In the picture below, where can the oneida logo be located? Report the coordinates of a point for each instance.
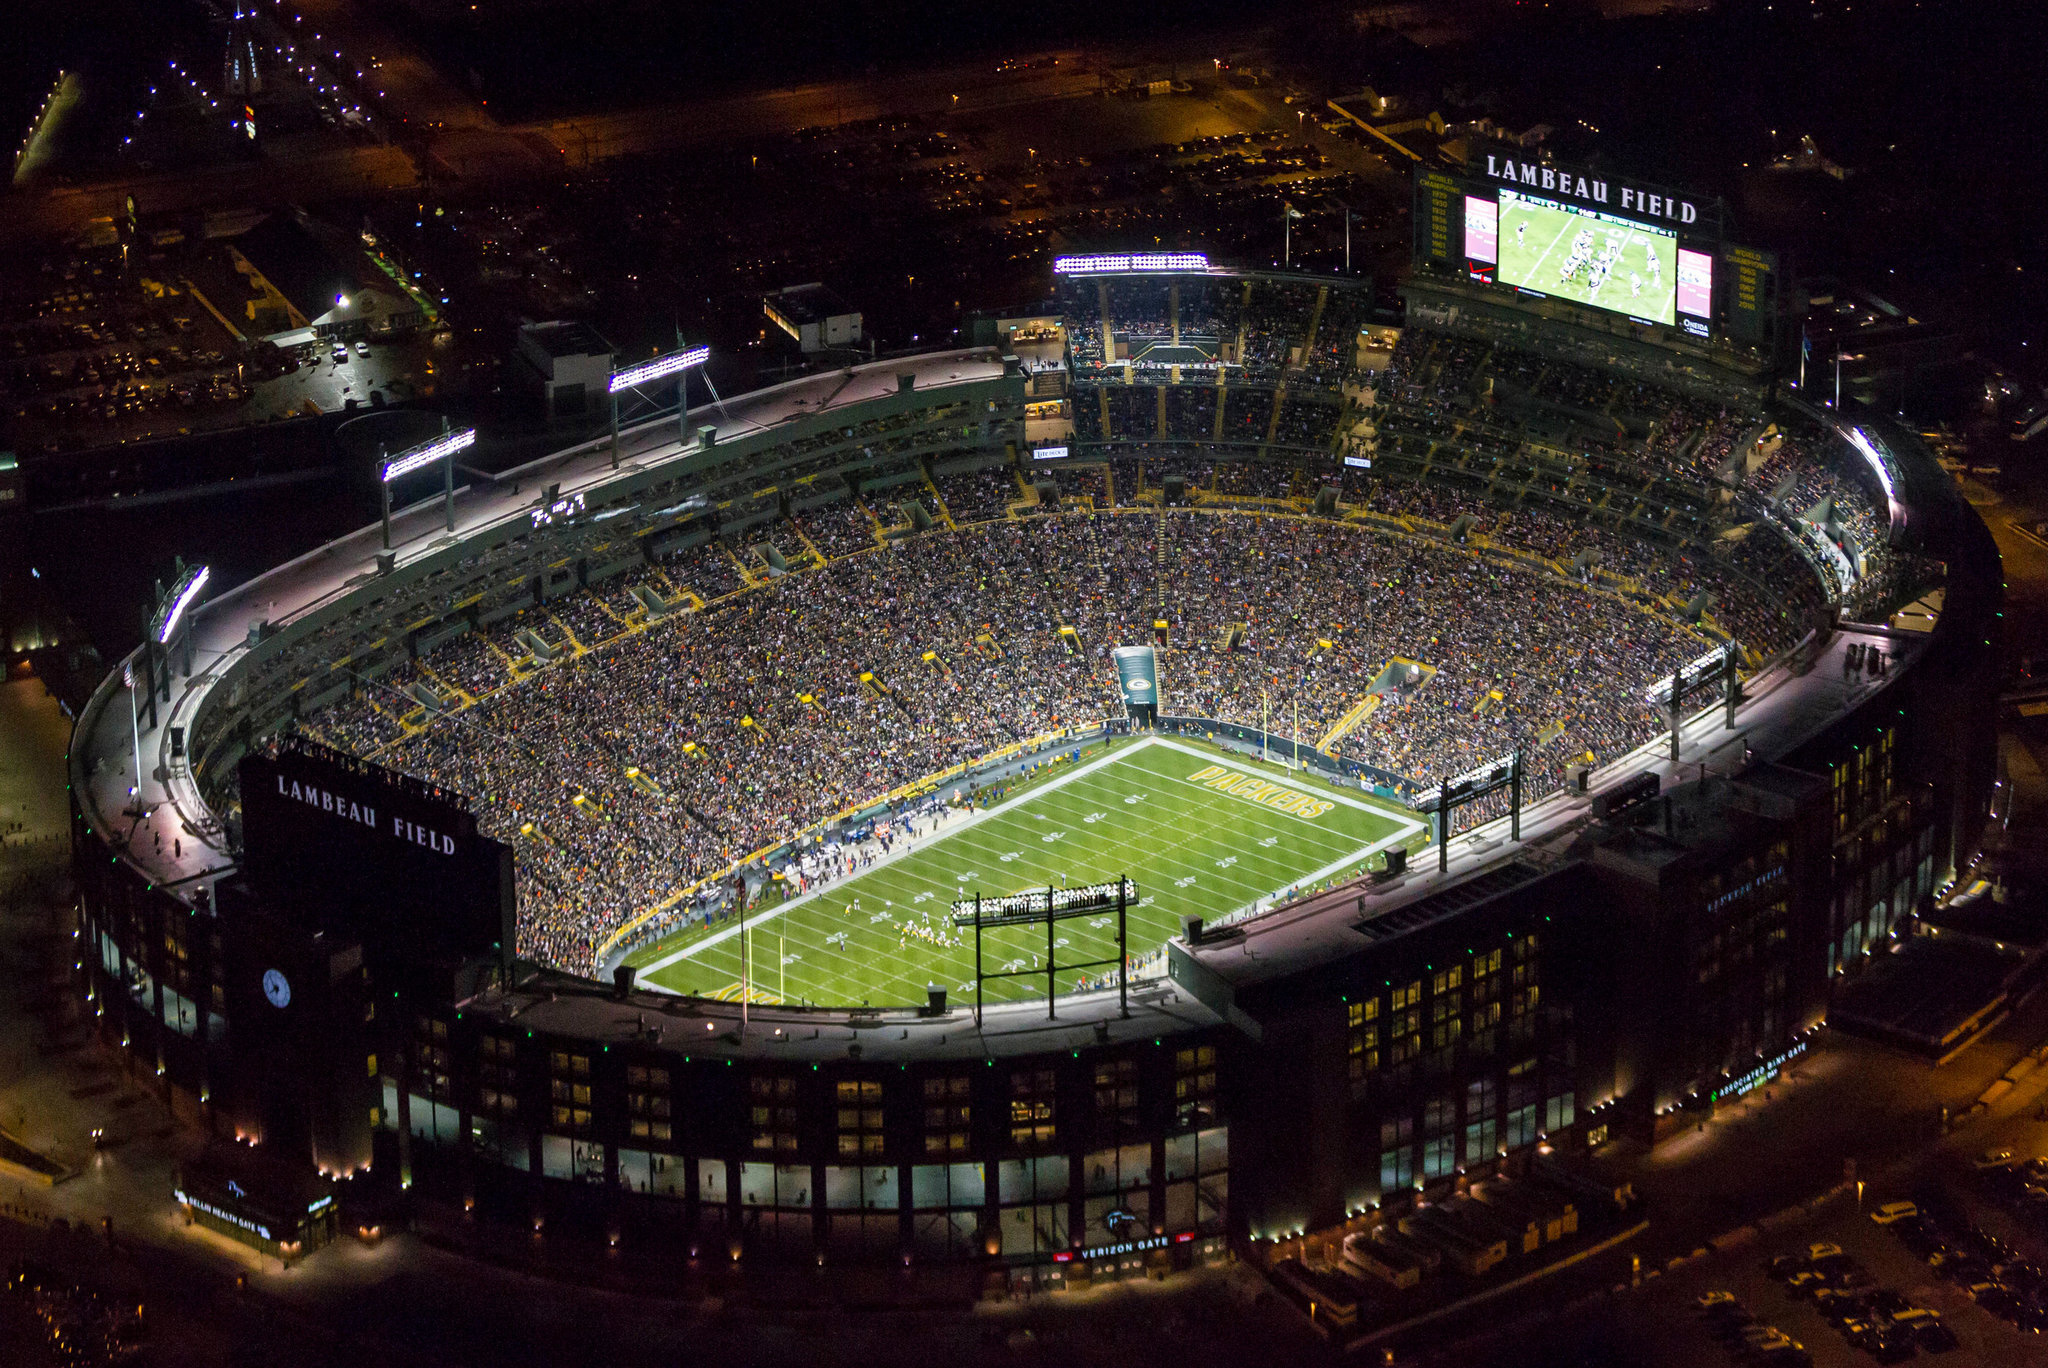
(1259, 791)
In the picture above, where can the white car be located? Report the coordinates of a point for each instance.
(1894, 1211)
(362, 349)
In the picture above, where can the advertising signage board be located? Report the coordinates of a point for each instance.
(343, 842)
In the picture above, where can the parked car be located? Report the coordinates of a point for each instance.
(1934, 1338)
(1894, 1211)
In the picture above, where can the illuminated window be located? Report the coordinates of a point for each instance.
(1032, 1121)
(1116, 1091)
(859, 1116)
(948, 1114)
(648, 1103)
(773, 1113)
(1194, 1086)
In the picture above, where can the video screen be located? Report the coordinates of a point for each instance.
(1695, 283)
(1588, 257)
(1481, 229)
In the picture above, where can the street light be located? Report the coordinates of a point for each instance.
(442, 449)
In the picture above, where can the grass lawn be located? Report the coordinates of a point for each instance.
(1200, 831)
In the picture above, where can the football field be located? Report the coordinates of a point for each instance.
(1199, 830)
(1588, 257)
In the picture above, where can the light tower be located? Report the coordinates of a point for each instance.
(241, 77)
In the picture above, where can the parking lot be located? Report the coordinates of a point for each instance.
(1831, 1281)
(93, 360)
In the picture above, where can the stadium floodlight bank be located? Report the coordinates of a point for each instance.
(172, 611)
(1717, 666)
(442, 449)
(659, 369)
(678, 363)
(1880, 463)
(1476, 782)
(1050, 906)
(426, 453)
(163, 637)
(1040, 903)
(1659, 694)
(1501, 772)
(1142, 264)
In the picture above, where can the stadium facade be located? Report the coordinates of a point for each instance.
(1647, 944)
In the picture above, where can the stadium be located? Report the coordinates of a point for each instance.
(1194, 764)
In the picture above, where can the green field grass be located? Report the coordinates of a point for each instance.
(1134, 810)
(1536, 239)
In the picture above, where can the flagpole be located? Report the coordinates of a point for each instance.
(135, 730)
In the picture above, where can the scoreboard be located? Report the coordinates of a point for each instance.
(1752, 299)
(335, 841)
(1439, 219)
(1532, 229)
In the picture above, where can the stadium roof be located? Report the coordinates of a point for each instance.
(221, 628)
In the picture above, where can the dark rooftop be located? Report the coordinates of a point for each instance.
(812, 303)
(567, 339)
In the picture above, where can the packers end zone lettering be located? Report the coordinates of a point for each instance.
(1271, 795)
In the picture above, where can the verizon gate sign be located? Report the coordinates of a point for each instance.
(1552, 180)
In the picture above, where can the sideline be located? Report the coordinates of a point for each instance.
(689, 951)
(1405, 827)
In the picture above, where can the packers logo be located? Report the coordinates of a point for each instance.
(1276, 796)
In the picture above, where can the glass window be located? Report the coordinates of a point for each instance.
(556, 1159)
(869, 1187)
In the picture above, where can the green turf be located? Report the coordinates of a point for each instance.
(1536, 239)
(1131, 810)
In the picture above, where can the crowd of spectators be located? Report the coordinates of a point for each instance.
(630, 771)
(634, 759)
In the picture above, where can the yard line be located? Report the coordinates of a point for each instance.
(689, 951)
(1139, 840)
